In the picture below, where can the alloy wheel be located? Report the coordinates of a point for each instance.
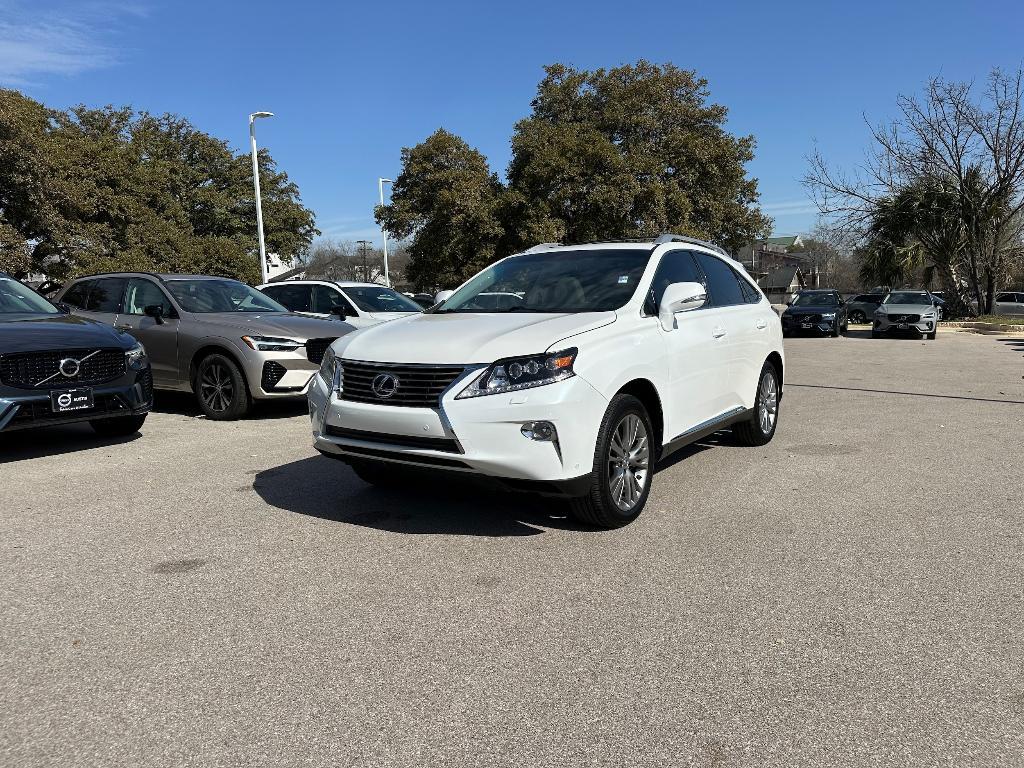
(767, 402)
(628, 462)
(216, 388)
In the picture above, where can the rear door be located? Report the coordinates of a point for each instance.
(697, 366)
(736, 329)
(159, 337)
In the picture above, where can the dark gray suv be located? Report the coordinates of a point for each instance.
(218, 338)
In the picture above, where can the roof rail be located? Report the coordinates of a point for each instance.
(668, 237)
(542, 247)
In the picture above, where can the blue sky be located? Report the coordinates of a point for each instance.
(353, 83)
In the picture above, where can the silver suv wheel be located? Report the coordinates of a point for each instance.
(767, 402)
(628, 462)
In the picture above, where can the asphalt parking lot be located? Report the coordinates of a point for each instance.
(218, 594)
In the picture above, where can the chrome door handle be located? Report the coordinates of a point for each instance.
(124, 327)
(718, 332)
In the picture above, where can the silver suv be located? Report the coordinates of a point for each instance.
(218, 338)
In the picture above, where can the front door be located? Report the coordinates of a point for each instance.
(159, 337)
(697, 364)
(104, 299)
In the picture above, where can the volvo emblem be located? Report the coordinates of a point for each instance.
(384, 385)
(69, 367)
(64, 400)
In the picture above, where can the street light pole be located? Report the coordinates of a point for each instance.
(383, 232)
(264, 274)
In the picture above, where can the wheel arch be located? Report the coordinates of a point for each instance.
(645, 391)
(214, 349)
(776, 361)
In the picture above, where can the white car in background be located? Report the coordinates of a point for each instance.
(358, 304)
(585, 366)
(1009, 303)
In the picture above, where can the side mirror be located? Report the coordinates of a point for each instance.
(65, 308)
(338, 310)
(156, 312)
(442, 296)
(680, 297)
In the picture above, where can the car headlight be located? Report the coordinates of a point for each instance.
(331, 370)
(515, 373)
(272, 343)
(136, 358)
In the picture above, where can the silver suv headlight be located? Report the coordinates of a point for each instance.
(515, 373)
(331, 370)
(136, 357)
(272, 343)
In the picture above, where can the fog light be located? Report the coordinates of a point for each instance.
(542, 431)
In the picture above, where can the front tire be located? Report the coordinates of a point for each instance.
(119, 426)
(221, 389)
(931, 336)
(623, 464)
(760, 428)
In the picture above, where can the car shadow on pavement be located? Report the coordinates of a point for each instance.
(419, 503)
(54, 441)
(1015, 344)
(184, 404)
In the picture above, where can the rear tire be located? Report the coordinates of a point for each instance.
(623, 465)
(221, 389)
(931, 336)
(119, 426)
(858, 317)
(759, 429)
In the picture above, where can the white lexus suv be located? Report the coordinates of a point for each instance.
(612, 356)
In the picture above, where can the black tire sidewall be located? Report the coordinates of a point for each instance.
(240, 401)
(620, 406)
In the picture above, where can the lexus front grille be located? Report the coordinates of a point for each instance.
(400, 384)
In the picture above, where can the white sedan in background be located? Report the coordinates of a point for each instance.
(358, 304)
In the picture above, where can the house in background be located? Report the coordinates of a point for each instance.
(780, 285)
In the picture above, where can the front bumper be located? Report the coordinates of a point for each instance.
(921, 327)
(798, 324)
(481, 435)
(273, 375)
(131, 395)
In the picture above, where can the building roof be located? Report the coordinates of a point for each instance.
(781, 278)
(786, 241)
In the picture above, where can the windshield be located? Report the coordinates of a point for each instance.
(908, 297)
(18, 299)
(816, 300)
(372, 299)
(584, 280)
(220, 296)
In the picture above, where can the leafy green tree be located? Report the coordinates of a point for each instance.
(449, 203)
(630, 152)
(90, 190)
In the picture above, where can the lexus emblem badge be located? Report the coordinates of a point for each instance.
(384, 385)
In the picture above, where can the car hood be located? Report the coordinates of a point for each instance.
(907, 309)
(811, 310)
(385, 316)
(287, 324)
(40, 333)
(466, 338)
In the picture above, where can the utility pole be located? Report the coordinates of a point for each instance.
(363, 245)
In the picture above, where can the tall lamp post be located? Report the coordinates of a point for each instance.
(264, 275)
(383, 232)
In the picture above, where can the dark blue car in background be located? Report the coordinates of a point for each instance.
(56, 368)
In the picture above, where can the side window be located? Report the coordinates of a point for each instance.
(1005, 297)
(76, 294)
(863, 297)
(141, 294)
(722, 282)
(675, 267)
(295, 297)
(105, 295)
(325, 297)
(750, 294)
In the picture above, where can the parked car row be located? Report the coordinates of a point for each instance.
(564, 370)
(825, 312)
